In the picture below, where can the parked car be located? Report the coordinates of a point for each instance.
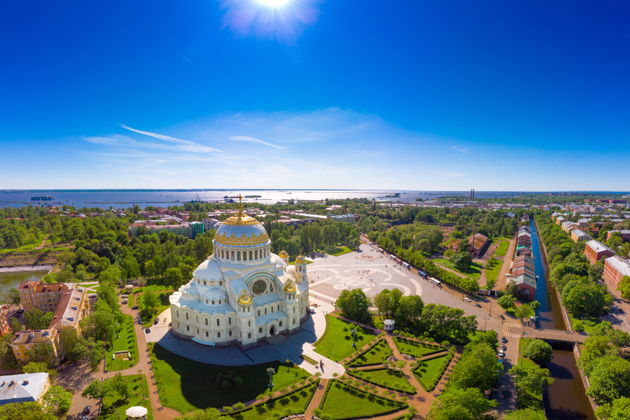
(147, 330)
(87, 409)
(135, 308)
(501, 353)
(504, 340)
(504, 347)
(156, 321)
(467, 299)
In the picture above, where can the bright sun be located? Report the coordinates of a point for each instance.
(274, 3)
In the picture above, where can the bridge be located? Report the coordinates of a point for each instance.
(554, 335)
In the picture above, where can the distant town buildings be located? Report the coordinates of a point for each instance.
(595, 251)
(578, 235)
(25, 387)
(187, 229)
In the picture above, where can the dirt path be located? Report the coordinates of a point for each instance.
(317, 399)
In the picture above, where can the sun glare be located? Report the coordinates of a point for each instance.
(273, 3)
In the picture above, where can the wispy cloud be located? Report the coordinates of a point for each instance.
(185, 145)
(459, 149)
(254, 140)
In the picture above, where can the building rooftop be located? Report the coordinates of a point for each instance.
(621, 265)
(597, 246)
(22, 388)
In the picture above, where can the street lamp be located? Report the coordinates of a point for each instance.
(353, 334)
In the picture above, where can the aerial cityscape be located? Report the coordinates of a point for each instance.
(315, 210)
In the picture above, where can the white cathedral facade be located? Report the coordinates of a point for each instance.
(243, 293)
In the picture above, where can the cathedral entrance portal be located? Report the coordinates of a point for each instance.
(272, 330)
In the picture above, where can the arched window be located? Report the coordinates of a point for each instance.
(186, 316)
(231, 255)
(206, 321)
(230, 320)
(218, 322)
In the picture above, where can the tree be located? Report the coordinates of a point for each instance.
(489, 337)
(609, 379)
(120, 386)
(526, 414)
(35, 319)
(354, 304)
(445, 323)
(595, 348)
(619, 409)
(539, 351)
(12, 296)
(478, 368)
(24, 411)
(461, 404)
(524, 311)
(174, 277)
(57, 400)
(506, 301)
(462, 261)
(624, 287)
(150, 299)
(387, 302)
(619, 338)
(409, 311)
(531, 379)
(36, 367)
(96, 390)
(585, 299)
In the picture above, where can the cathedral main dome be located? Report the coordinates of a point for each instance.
(241, 229)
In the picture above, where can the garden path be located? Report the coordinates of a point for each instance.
(316, 400)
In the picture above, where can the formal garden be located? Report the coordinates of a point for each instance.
(375, 355)
(429, 371)
(123, 352)
(295, 402)
(415, 348)
(337, 342)
(384, 377)
(343, 401)
(187, 385)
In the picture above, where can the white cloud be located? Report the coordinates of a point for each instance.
(185, 145)
(459, 149)
(254, 140)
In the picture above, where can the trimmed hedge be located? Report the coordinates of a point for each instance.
(311, 387)
(358, 374)
(431, 386)
(397, 404)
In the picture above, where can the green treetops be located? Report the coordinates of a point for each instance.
(539, 351)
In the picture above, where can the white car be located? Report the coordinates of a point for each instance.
(501, 353)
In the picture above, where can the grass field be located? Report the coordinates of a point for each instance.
(415, 349)
(125, 340)
(186, 385)
(502, 247)
(474, 270)
(343, 402)
(376, 355)
(493, 268)
(336, 343)
(338, 250)
(114, 406)
(293, 403)
(431, 371)
(385, 377)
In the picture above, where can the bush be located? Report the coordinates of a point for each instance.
(539, 351)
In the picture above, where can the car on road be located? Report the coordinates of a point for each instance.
(135, 308)
(467, 299)
(501, 353)
(147, 330)
(504, 347)
(87, 409)
(504, 340)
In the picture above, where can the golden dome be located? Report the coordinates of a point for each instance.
(245, 300)
(300, 259)
(283, 254)
(240, 230)
(290, 288)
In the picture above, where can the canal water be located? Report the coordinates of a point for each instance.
(565, 398)
(13, 280)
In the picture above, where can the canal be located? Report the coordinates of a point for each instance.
(565, 398)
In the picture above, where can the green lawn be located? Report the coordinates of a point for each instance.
(493, 268)
(338, 250)
(114, 407)
(430, 371)
(336, 343)
(474, 270)
(415, 349)
(125, 340)
(186, 385)
(502, 248)
(343, 402)
(388, 378)
(293, 403)
(375, 355)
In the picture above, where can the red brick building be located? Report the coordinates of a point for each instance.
(615, 268)
(595, 251)
(478, 244)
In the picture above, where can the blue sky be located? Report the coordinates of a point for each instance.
(409, 94)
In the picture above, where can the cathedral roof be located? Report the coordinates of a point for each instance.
(241, 230)
(208, 270)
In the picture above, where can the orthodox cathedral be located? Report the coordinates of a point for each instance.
(243, 293)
